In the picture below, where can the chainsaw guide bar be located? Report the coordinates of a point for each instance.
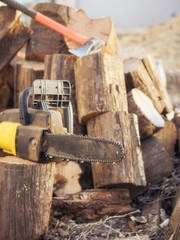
(79, 148)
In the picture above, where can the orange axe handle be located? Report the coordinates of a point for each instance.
(41, 18)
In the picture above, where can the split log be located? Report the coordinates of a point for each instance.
(91, 205)
(100, 85)
(26, 195)
(25, 73)
(168, 137)
(137, 76)
(61, 66)
(102, 29)
(119, 126)
(13, 35)
(157, 161)
(149, 119)
(45, 40)
(6, 87)
(152, 69)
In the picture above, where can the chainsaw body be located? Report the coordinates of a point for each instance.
(38, 133)
(22, 129)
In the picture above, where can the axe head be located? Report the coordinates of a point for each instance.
(91, 46)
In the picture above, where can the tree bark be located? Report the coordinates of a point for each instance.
(92, 205)
(149, 118)
(25, 73)
(13, 35)
(101, 29)
(100, 86)
(26, 194)
(118, 126)
(45, 40)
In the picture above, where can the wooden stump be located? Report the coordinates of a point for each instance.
(13, 35)
(118, 126)
(100, 86)
(61, 66)
(25, 73)
(157, 161)
(149, 119)
(45, 40)
(137, 76)
(102, 29)
(26, 194)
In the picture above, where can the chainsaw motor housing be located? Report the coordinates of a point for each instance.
(48, 96)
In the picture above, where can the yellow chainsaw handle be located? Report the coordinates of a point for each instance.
(8, 136)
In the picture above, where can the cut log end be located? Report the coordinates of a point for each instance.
(149, 118)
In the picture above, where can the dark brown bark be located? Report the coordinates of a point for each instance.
(26, 194)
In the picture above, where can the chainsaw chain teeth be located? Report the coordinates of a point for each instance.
(89, 160)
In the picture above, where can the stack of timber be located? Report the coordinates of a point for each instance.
(120, 97)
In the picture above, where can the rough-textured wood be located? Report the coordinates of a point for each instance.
(45, 40)
(148, 117)
(6, 87)
(13, 34)
(173, 85)
(137, 159)
(150, 65)
(118, 126)
(102, 29)
(61, 66)
(157, 161)
(91, 205)
(175, 217)
(100, 85)
(152, 69)
(168, 137)
(177, 123)
(136, 76)
(25, 73)
(26, 195)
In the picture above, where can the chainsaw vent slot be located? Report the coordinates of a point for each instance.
(55, 93)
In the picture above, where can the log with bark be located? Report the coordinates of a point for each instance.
(25, 73)
(26, 194)
(93, 204)
(61, 66)
(149, 119)
(45, 40)
(100, 85)
(13, 35)
(102, 29)
(122, 127)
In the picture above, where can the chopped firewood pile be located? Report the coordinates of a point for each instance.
(116, 94)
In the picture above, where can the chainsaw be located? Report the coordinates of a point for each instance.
(42, 133)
